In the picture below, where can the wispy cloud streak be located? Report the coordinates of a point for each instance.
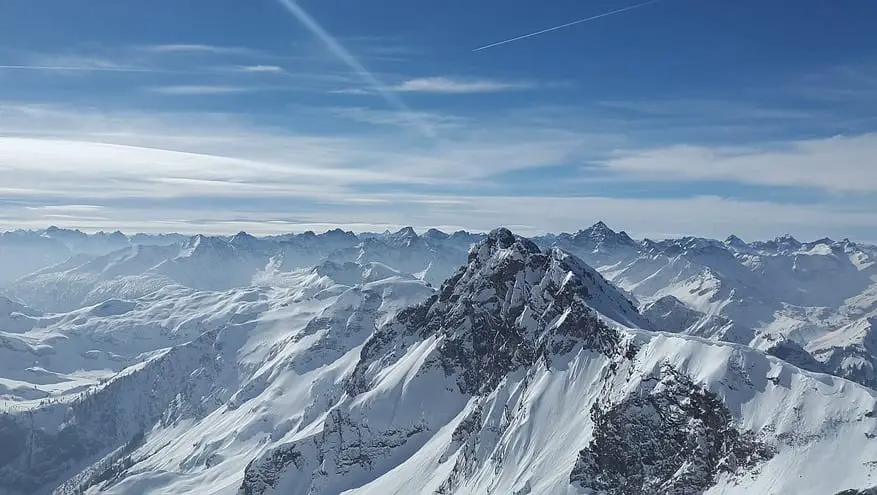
(568, 24)
(455, 86)
(345, 56)
(197, 48)
(202, 90)
(74, 68)
(261, 69)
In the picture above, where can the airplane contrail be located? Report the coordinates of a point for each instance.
(345, 56)
(568, 24)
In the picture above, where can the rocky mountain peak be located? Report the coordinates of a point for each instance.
(600, 236)
(403, 237)
(55, 230)
(787, 242)
(510, 306)
(406, 232)
(201, 245)
(501, 242)
(782, 244)
(435, 234)
(338, 234)
(735, 242)
(242, 240)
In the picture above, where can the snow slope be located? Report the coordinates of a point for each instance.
(170, 359)
(758, 293)
(526, 371)
(219, 263)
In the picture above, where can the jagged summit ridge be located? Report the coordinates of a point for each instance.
(511, 305)
(499, 240)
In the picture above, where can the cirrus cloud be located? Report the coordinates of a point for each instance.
(448, 85)
(839, 163)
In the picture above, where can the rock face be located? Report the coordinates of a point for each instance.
(262, 474)
(512, 305)
(792, 352)
(669, 436)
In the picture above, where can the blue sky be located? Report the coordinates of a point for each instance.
(678, 117)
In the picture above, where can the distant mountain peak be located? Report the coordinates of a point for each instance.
(338, 233)
(600, 237)
(243, 240)
(55, 230)
(200, 243)
(781, 244)
(435, 234)
(788, 241)
(406, 232)
(404, 237)
(735, 241)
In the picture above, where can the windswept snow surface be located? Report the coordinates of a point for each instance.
(819, 295)
(404, 363)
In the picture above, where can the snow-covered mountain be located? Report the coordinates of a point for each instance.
(73, 279)
(760, 293)
(671, 314)
(326, 364)
(22, 252)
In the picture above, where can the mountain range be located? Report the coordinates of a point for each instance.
(470, 363)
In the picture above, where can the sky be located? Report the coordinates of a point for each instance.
(677, 117)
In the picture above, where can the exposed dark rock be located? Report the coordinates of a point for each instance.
(263, 473)
(670, 436)
(792, 352)
(512, 305)
(345, 444)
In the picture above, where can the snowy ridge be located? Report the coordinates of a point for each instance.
(758, 293)
(669, 313)
(491, 424)
(140, 268)
(330, 363)
(178, 386)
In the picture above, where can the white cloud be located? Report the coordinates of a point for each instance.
(351, 91)
(261, 69)
(467, 151)
(252, 177)
(199, 48)
(62, 169)
(841, 163)
(449, 85)
(194, 90)
(66, 208)
(712, 110)
(73, 63)
(436, 121)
